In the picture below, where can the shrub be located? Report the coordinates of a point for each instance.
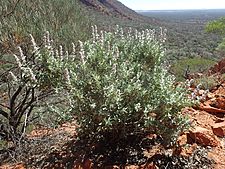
(207, 82)
(118, 86)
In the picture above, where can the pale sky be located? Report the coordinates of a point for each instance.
(173, 4)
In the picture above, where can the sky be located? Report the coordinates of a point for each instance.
(173, 4)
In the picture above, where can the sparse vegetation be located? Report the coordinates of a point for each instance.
(185, 67)
(19, 18)
(207, 82)
(186, 36)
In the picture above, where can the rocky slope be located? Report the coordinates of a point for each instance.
(114, 12)
(112, 8)
(208, 119)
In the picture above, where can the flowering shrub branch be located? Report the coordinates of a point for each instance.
(23, 88)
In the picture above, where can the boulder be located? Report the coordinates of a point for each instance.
(182, 140)
(204, 137)
(210, 109)
(220, 102)
(219, 129)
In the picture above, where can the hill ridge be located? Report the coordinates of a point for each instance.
(116, 9)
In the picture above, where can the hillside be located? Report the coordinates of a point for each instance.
(186, 29)
(187, 37)
(106, 13)
(113, 8)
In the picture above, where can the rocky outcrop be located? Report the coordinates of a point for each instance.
(208, 120)
(204, 137)
(219, 129)
(215, 102)
(218, 68)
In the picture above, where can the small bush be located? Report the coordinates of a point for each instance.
(193, 65)
(207, 83)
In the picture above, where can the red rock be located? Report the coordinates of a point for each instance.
(220, 102)
(87, 164)
(112, 167)
(16, 166)
(182, 140)
(185, 151)
(150, 166)
(204, 137)
(211, 109)
(219, 129)
(217, 155)
(132, 167)
(221, 90)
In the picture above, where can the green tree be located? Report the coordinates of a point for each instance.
(218, 27)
